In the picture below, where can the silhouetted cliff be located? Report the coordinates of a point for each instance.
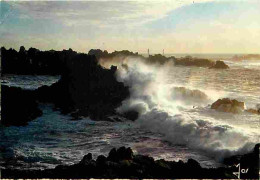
(85, 89)
(33, 61)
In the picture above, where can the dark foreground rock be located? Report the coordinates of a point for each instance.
(122, 163)
(220, 65)
(84, 89)
(228, 105)
(18, 106)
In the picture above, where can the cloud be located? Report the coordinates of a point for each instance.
(100, 13)
(106, 13)
(175, 25)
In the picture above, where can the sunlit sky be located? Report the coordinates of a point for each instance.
(177, 26)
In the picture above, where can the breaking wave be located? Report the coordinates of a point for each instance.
(161, 106)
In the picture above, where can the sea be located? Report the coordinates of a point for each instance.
(175, 122)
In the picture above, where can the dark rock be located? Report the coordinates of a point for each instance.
(220, 65)
(85, 89)
(121, 154)
(131, 115)
(18, 106)
(189, 61)
(124, 154)
(157, 59)
(86, 159)
(101, 159)
(33, 61)
(137, 167)
(112, 156)
(193, 164)
(113, 69)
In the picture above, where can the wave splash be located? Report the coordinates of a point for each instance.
(160, 103)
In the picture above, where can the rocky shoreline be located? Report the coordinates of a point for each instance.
(84, 89)
(36, 62)
(123, 163)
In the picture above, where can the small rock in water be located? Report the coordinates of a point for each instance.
(228, 105)
(220, 65)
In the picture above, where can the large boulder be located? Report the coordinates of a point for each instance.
(228, 105)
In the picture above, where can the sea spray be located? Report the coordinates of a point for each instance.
(160, 104)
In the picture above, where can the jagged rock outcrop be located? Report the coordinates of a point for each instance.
(85, 89)
(122, 163)
(34, 61)
(104, 54)
(18, 106)
(228, 105)
(220, 65)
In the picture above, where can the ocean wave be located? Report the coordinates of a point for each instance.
(160, 106)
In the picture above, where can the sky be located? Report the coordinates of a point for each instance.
(177, 26)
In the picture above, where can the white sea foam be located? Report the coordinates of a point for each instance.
(161, 105)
